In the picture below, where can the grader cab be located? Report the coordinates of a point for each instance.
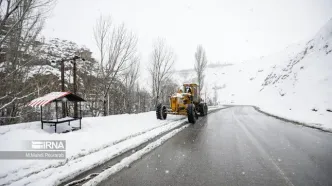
(187, 102)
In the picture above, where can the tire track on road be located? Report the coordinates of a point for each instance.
(262, 151)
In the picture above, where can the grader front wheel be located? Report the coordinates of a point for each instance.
(192, 116)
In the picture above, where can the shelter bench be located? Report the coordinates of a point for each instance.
(62, 120)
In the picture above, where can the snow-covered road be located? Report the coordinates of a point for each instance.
(234, 146)
(100, 140)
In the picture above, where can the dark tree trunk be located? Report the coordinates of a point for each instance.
(105, 107)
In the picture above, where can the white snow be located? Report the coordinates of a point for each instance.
(288, 84)
(177, 95)
(295, 84)
(41, 101)
(99, 140)
(128, 160)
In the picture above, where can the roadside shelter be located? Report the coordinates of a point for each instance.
(56, 98)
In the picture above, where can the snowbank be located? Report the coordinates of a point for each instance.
(96, 134)
(99, 140)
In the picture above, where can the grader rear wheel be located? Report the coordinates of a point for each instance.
(161, 112)
(205, 109)
(201, 110)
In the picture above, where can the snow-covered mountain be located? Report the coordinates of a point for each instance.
(295, 83)
(52, 51)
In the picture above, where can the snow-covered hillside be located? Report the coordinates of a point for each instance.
(53, 50)
(295, 83)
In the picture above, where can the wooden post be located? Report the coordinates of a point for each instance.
(66, 114)
(63, 85)
(80, 114)
(80, 109)
(75, 86)
(56, 110)
(56, 115)
(41, 117)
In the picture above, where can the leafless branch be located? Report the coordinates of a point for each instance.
(200, 65)
(117, 49)
(162, 61)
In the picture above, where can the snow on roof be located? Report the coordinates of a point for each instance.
(41, 101)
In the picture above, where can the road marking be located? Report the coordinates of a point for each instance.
(262, 151)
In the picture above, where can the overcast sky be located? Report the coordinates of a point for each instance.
(229, 30)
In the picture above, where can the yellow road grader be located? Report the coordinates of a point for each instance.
(187, 102)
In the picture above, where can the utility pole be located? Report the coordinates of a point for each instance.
(63, 86)
(75, 83)
(62, 63)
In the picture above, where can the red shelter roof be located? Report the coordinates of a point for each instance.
(54, 96)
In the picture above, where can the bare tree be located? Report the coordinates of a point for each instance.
(129, 80)
(117, 47)
(23, 15)
(101, 36)
(21, 22)
(143, 99)
(168, 88)
(162, 60)
(200, 65)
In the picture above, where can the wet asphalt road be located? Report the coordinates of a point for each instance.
(236, 146)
